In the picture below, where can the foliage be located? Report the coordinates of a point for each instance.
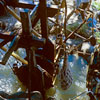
(96, 5)
(97, 34)
(82, 31)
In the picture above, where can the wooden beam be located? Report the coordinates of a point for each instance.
(23, 5)
(6, 37)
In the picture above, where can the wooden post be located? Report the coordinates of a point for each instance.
(28, 51)
(26, 23)
(43, 19)
(26, 32)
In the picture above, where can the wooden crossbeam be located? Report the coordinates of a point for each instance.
(51, 10)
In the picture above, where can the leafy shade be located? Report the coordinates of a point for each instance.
(96, 5)
(82, 31)
(97, 34)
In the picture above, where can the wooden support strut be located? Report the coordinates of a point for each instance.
(9, 52)
(3, 36)
(16, 56)
(29, 55)
(19, 19)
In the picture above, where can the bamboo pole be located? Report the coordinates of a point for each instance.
(13, 13)
(16, 56)
(57, 56)
(56, 61)
(36, 33)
